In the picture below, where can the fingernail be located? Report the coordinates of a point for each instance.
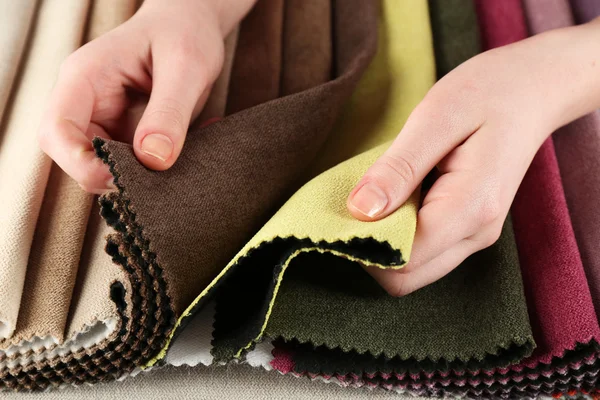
(370, 200)
(158, 146)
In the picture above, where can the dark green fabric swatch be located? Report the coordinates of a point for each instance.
(475, 317)
(455, 32)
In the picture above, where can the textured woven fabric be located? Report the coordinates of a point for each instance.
(256, 69)
(585, 10)
(24, 169)
(455, 32)
(15, 22)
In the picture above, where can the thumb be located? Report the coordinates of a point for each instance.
(179, 90)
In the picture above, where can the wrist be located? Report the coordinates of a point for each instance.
(226, 13)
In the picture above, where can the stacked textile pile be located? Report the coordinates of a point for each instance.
(244, 250)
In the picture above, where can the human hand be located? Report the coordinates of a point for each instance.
(481, 125)
(140, 83)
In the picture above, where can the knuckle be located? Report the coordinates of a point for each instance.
(401, 165)
(488, 211)
(490, 237)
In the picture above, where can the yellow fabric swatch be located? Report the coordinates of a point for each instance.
(398, 78)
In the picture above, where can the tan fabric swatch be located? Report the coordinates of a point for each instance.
(257, 64)
(307, 46)
(15, 23)
(217, 101)
(24, 169)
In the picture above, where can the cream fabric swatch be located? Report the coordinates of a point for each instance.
(15, 23)
(24, 169)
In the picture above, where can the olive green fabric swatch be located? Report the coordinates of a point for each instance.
(455, 32)
(474, 317)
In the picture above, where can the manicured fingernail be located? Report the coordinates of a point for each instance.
(158, 146)
(370, 200)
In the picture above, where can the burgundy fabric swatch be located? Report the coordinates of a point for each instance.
(500, 22)
(578, 150)
(585, 10)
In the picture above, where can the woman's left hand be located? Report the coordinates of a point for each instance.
(481, 125)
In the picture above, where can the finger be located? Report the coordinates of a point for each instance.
(179, 87)
(400, 283)
(434, 128)
(63, 134)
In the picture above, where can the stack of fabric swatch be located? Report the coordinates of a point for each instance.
(243, 251)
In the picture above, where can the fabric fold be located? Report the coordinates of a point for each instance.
(24, 169)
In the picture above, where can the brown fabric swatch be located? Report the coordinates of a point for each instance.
(232, 175)
(257, 64)
(306, 59)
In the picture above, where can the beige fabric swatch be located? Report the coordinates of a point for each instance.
(24, 169)
(15, 23)
(217, 101)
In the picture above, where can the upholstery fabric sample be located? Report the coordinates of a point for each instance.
(257, 63)
(585, 10)
(455, 32)
(24, 169)
(15, 24)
